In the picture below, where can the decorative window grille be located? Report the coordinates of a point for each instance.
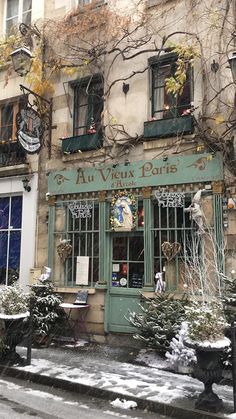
(81, 228)
(10, 238)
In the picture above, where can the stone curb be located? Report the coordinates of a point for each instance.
(143, 404)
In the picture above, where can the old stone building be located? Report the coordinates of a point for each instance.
(142, 120)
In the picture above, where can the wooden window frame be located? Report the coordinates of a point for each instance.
(15, 105)
(155, 64)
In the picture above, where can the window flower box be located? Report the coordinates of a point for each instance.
(168, 127)
(81, 143)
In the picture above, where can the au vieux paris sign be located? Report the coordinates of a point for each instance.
(176, 170)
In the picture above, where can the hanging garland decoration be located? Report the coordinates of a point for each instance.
(64, 249)
(124, 212)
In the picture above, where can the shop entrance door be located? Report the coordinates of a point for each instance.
(126, 279)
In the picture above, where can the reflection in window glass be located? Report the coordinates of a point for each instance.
(10, 238)
(128, 261)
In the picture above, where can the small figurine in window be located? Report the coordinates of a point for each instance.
(92, 127)
(160, 281)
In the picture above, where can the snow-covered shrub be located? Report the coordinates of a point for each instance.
(13, 300)
(206, 321)
(46, 311)
(180, 355)
(159, 321)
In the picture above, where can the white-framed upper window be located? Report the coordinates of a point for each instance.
(17, 11)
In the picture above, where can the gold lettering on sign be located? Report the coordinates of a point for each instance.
(148, 170)
(82, 178)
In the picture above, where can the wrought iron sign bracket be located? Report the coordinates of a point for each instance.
(34, 119)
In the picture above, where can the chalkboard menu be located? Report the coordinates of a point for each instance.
(136, 281)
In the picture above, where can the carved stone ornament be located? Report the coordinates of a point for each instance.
(170, 250)
(64, 249)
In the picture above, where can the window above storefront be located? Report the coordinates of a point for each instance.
(11, 153)
(88, 107)
(17, 11)
(170, 113)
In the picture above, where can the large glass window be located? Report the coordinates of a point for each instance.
(173, 227)
(10, 238)
(128, 255)
(18, 11)
(166, 105)
(88, 106)
(128, 260)
(78, 222)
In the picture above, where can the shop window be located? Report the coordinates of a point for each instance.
(82, 230)
(165, 105)
(128, 260)
(172, 225)
(10, 238)
(17, 11)
(88, 106)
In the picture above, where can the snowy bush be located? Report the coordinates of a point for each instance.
(46, 311)
(180, 354)
(13, 300)
(159, 321)
(206, 321)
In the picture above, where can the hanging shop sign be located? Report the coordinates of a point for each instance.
(80, 210)
(177, 170)
(33, 120)
(169, 199)
(29, 130)
(123, 212)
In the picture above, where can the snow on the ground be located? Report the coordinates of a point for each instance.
(154, 384)
(124, 404)
(151, 358)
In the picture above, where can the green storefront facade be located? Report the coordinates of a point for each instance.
(121, 264)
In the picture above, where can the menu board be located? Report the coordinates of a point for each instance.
(136, 280)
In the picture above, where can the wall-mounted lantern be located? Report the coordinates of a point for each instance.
(26, 185)
(21, 60)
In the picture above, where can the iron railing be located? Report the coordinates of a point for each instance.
(11, 154)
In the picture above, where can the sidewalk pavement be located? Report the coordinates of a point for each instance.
(112, 372)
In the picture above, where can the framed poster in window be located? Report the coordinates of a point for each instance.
(82, 270)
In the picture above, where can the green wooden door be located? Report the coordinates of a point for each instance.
(126, 279)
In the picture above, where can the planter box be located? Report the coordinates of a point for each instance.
(81, 143)
(168, 127)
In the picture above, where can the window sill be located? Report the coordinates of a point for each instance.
(168, 127)
(73, 290)
(81, 143)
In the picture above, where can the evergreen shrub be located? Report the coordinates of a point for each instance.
(159, 321)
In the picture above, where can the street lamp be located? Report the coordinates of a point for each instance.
(22, 60)
(232, 63)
